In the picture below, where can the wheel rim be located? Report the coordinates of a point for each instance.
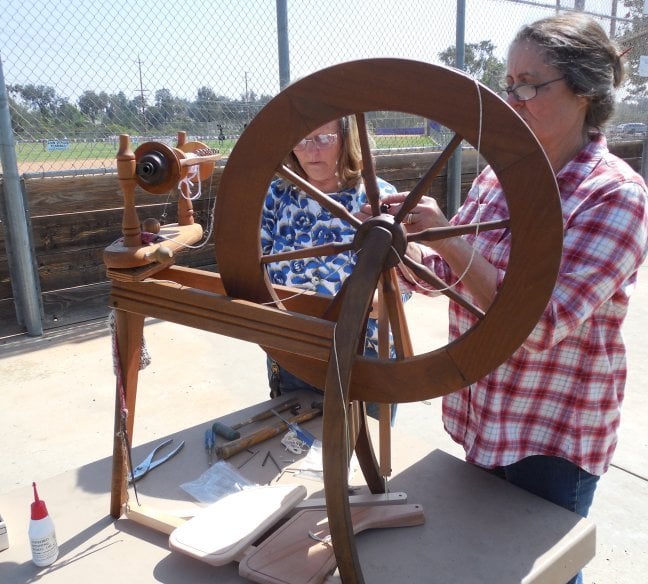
(457, 102)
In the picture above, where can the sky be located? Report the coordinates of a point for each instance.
(139, 46)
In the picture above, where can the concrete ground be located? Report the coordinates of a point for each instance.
(57, 408)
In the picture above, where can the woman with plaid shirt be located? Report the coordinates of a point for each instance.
(547, 419)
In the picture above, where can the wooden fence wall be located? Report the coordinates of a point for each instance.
(74, 218)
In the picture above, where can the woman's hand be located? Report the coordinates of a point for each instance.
(426, 214)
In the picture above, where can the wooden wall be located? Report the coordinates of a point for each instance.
(74, 218)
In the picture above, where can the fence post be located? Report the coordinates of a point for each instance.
(24, 280)
(453, 196)
(282, 40)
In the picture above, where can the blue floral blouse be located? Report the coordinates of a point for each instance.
(293, 220)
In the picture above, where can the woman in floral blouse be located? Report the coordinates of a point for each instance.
(330, 159)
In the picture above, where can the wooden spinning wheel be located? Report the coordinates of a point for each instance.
(476, 115)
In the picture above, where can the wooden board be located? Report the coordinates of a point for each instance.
(299, 552)
(223, 531)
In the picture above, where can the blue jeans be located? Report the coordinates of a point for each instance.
(554, 479)
(288, 382)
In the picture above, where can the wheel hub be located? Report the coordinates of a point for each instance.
(399, 237)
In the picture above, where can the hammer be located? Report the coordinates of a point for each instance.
(231, 432)
(235, 446)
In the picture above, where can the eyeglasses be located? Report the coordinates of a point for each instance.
(319, 141)
(525, 91)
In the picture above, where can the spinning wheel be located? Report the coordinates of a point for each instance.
(476, 115)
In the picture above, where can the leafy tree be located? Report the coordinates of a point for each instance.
(94, 105)
(480, 62)
(39, 97)
(70, 116)
(166, 105)
(633, 36)
(138, 104)
(120, 110)
(19, 116)
(208, 106)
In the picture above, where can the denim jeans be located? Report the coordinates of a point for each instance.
(289, 382)
(555, 479)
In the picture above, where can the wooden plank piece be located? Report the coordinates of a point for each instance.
(154, 518)
(299, 551)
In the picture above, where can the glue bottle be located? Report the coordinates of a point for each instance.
(41, 533)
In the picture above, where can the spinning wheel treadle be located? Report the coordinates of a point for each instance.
(476, 115)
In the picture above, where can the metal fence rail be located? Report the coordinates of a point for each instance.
(79, 74)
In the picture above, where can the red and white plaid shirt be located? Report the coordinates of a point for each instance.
(559, 394)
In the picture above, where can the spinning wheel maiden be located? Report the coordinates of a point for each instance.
(476, 115)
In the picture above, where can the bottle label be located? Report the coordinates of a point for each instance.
(44, 549)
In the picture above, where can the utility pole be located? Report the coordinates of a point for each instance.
(142, 91)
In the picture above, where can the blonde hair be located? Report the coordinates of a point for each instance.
(350, 159)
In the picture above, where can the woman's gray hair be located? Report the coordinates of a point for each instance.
(579, 47)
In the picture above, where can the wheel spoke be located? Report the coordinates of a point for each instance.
(436, 233)
(384, 410)
(324, 200)
(368, 169)
(424, 183)
(307, 252)
(396, 313)
(428, 276)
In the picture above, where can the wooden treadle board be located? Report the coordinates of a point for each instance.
(291, 556)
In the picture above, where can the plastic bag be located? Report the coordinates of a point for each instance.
(220, 479)
(311, 466)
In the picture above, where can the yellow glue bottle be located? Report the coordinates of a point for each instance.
(41, 533)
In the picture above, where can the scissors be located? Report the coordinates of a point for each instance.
(149, 464)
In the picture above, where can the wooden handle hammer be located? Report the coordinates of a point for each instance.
(230, 432)
(235, 446)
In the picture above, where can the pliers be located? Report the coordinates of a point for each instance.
(149, 464)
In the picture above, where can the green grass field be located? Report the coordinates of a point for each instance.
(34, 156)
(36, 151)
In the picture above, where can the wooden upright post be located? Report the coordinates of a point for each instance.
(126, 175)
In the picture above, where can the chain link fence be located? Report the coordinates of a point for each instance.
(80, 73)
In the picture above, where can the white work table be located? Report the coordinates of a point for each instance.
(478, 528)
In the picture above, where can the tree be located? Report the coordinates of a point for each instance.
(165, 104)
(94, 105)
(633, 36)
(207, 107)
(120, 111)
(70, 117)
(39, 97)
(480, 62)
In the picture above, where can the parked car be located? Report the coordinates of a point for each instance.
(630, 130)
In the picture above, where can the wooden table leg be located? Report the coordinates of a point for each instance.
(129, 331)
